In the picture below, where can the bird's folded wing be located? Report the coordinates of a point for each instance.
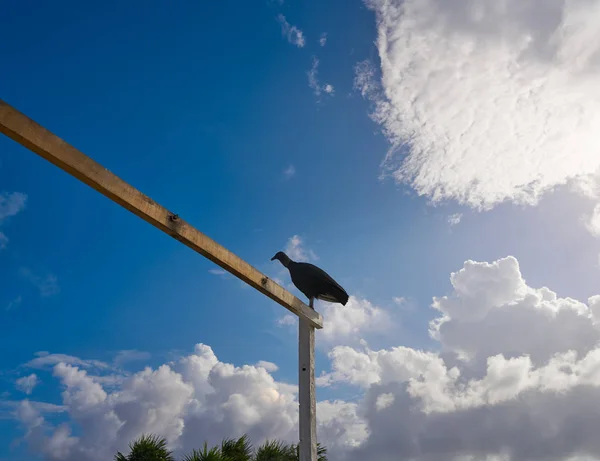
(328, 297)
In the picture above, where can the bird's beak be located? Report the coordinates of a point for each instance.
(273, 258)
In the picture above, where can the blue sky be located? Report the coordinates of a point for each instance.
(209, 108)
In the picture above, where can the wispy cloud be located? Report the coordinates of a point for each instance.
(45, 361)
(27, 383)
(313, 80)
(218, 272)
(364, 80)
(14, 303)
(323, 39)
(48, 285)
(399, 300)
(9, 408)
(292, 33)
(11, 204)
(289, 172)
(454, 219)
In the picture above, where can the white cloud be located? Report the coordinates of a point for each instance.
(349, 323)
(384, 401)
(27, 383)
(11, 204)
(593, 222)
(292, 33)
(490, 298)
(3, 241)
(289, 172)
(516, 372)
(323, 39)
(313, 80)
(288, 319)
(364, 80)
(219, 272)
(340, 426)
(195, 396)
(269, 366)
(496, 101)
(454, 219)
(296, 251)
(47, 285)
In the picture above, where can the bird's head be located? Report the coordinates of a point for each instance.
(282, 257)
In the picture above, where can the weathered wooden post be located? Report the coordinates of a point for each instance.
(307, 397)
(47, 145)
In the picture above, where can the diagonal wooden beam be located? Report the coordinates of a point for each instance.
(35, 137)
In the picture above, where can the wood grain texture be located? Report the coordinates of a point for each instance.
(307, 391)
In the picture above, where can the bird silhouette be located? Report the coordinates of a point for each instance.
(313, 281)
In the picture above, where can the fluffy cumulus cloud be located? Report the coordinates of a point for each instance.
(488, 101)
(352, 322)
(195, 396)
(515, 377)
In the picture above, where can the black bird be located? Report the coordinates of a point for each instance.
(314, 282)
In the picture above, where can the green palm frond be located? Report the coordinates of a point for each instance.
(321, 452)
(214, 454)
(237, 450)
(147, 448)
(276, 451)
(154, 448)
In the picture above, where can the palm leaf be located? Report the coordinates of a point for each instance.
(214, 454)
(276, 451)
(237, 450)
(147, 448)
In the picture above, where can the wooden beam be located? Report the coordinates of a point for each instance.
(307, 392)
(33, 136)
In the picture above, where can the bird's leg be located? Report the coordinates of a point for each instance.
(311, 302)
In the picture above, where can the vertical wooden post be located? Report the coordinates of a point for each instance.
(307, 394)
